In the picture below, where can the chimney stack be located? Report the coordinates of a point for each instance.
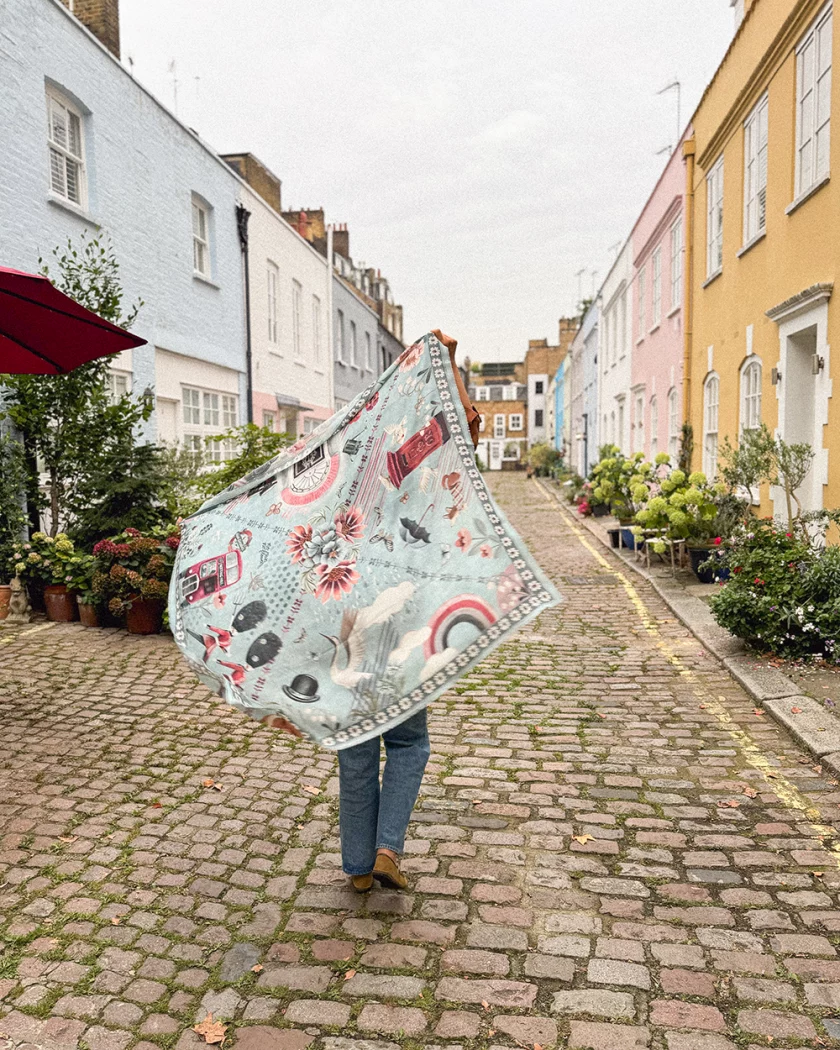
(102, 18)
(341, 240)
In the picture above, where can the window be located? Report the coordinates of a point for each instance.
(509, 393)
(201, 238)
(620, 438)
(711, 402)
(640, 423)
(751, 395)
(498, 426)
(339, 336)
(192, 406)
(482, 393)
(64, 133)
(118, 385)
(538, 386)
(481, 422)
(205, 414)
(642, 297)
(813, 103)
(269, 420)
(654, 427)
(354, 349)
(622, 315)
(755, 171)
(538, 417)
(714, 219)
(316, 329)
(297, 295)
(676, 264)
(368, 352)
(310, 424)
(515, 421)
(673, 425)
(656, 287)
(272, 277)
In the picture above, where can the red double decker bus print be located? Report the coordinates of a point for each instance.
(210, 576)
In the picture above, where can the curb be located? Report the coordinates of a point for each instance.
(815, 728)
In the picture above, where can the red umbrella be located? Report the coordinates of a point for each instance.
(45, 332)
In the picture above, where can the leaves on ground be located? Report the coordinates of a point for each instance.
(750, 792)
(730, 803)
(211, 1031)
(257, 968)
(796, 710)
(311, 789)
(583, 839)
(348, 974)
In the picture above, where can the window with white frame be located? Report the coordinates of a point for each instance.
(509, 393)
(515, 421)
(673, 425)
(316, 329)
(751, 395)
(269, 420)
(813, 103)
(755, 171)
(368, 352)
(640, 423)
(201, 237)
(354, 348)
(538, 417)
(481, 422)
(499, 425)
(711, 404)
(642, 303)
(272, 277)
(622, 330)
(656, 287)
(714, 219)
(117, 384)
(676, 263)
(538, 386)
(309, 424)
(339, 336)
(66, 146)
(654, 426)
(205, 414)
(482, 393)
(297, 296)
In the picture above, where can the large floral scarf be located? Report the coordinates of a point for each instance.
(350, 581)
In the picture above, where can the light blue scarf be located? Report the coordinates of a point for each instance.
(354, 578)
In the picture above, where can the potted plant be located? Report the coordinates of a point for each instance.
(80, 571)
(42, 563)
(131, 574)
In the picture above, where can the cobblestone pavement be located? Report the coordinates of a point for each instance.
(612, 850)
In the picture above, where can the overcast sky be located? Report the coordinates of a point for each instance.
(481, 152)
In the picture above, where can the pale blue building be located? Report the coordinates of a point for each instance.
(559, 406)
(93, 151)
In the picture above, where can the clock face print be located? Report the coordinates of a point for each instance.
(312, 476)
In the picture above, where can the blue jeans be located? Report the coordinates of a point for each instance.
(371, 817)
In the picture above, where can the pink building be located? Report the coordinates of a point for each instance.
(657, 243)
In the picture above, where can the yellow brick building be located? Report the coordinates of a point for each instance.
(764, 242)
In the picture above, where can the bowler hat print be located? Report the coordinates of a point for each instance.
(304, 689)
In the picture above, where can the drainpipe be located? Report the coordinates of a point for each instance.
(242, 216)
(689, 147)
(330, 324)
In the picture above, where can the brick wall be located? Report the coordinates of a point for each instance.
(102, 17)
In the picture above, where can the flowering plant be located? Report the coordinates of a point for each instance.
(618, 480)
(43, 559)
(130, 567)
(684, 507)
(783, 594)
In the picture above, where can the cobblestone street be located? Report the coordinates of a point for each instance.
(612, 850)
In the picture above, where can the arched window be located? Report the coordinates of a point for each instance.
(673, 425)
(751, 395)
(654, 427)
(711, 404)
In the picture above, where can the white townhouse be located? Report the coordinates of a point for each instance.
(94, 152)
(616, 347)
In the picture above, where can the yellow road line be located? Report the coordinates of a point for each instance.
(786, 791)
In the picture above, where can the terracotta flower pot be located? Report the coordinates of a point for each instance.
(5, 598)
(35, 590)
(145, 616)
(89, 614)
(60, 603)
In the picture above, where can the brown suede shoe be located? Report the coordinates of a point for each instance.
(362, 883)
(387, 873)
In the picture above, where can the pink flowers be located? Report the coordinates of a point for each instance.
(485, 550)
(111, 550)
(464, 539)
(334, 581)
(295, 543)
(717, 541)
(409, 358)
(132, 532)
(350, 524)
(172, 542)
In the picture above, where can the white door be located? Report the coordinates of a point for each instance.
(496, 450)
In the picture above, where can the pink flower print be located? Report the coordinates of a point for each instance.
(464, 539)
(350, 524)
(485, 550)
(334, 581)
(300, 536)
(409, 358)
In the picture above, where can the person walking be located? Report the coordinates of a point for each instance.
(373, 817)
